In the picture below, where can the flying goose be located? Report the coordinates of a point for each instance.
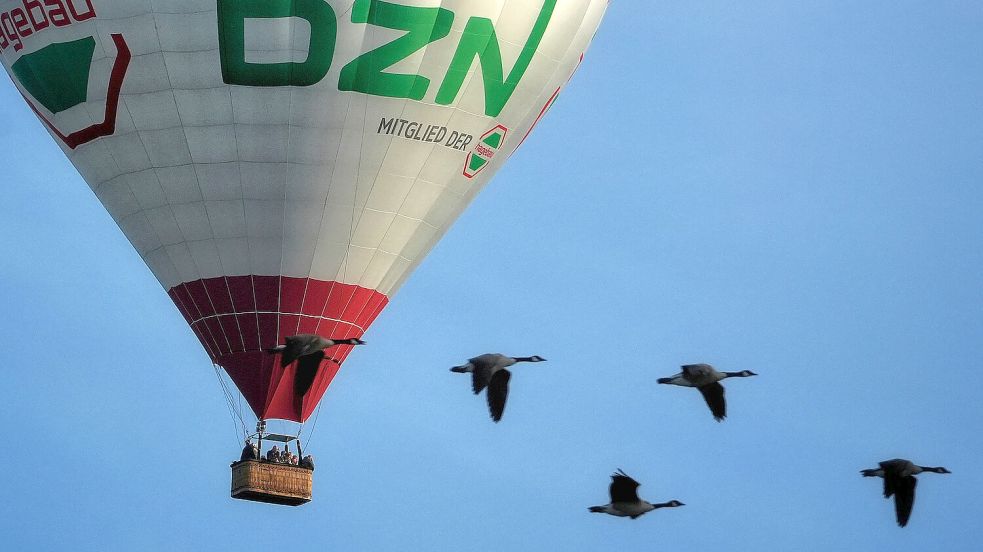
(625, 501)
(707, 379)
(305, 344)
(899, 480)
(489, 370)
(308, 351)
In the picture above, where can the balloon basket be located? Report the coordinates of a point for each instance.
(271, 483)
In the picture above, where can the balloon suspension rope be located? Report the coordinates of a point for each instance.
(230, 402)
(310, 435)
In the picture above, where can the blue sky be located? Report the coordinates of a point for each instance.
(788, 187)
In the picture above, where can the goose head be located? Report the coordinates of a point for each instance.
(937, 470)
(746, 373)
(536, 358)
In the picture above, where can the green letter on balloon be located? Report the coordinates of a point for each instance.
(364, 73)
(232, 15)
(480, 40)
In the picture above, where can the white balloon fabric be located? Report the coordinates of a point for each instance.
(283, 165)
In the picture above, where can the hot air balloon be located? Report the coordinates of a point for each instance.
(283, 165)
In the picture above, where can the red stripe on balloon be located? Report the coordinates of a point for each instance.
(236, 317)
(549, 103)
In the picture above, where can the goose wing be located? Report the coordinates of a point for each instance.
(296, 346)
(904, 498)
(888, 485)
(498, 392)
(482, 373)
(713, 394)
(307, 368)
(623, 488)
(894, 471)
(480, 378)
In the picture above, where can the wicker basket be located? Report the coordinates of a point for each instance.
(271, 483)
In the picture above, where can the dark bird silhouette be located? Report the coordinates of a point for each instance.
(489, 370)
(707, 380)
(625, 501)
(899, 481)
(305, 344)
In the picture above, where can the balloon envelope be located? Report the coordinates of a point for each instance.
(283, 165)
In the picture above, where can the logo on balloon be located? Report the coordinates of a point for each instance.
(483, 152)
(57, 75)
